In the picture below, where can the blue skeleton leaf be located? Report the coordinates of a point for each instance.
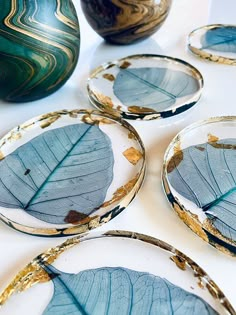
(60, 176)
(206, 175)
(222, 39)
(157, 88)
(120, 291)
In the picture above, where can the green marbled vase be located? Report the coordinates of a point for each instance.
(39, 47)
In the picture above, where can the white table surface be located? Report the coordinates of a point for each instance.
(149, 213)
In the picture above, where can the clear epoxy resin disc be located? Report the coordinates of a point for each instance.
(67, 172)
(199, 179)
(145, 87)
(118, 272)
(215, 43)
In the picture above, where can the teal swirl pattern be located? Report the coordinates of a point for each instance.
(39, 47)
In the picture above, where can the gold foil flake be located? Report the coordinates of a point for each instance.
(166, 186)
(49, 121)
(27, 126)
(95, 120)
(109, 76)
(2, 156)
(224, 146)
(125, 65)
(121, 192)
(212, 138)
(103, 99)
(94, 223)
(73, 114)
(34, 272)
(131, 135)
(176, 159)
(138, 109)
(133, 155)
(200, 283)
(207, 224)
(14, 135)
(90, 223)
(191, 220)
(179, 261)
(30, 275)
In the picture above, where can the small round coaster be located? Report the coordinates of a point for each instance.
(199, 177)
(115, 272)
(216, 42)
(145, 87)
(67, 172)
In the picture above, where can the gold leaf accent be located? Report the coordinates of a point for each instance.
(14, 135)
(125, 65)
(27, 126)
(207, 56)
(94, 222)
(224, 146)
(49, 121)
(104, 100)
(109, 77)
(176, 159)
(121, 192)
(179, 261)
(212, 138)
(165, 185)
(34, 272)
(138, 109)
(2, 156)
(131, 135)
(73, 114)
(207, 224)
(133, 155)
(191, 220)
(89, 119)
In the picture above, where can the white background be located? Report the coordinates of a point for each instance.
(149, 213)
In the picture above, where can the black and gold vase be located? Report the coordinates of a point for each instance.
(125, 21)
(39, 47)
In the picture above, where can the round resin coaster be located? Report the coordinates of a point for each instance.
(67, 172)
(145, 87)
(118, 272)
(215, 43)
(199, 177)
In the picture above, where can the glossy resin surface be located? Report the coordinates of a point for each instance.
(215, 43)
(200, 180)
(138, 274)
(145, 87)
(60, 173)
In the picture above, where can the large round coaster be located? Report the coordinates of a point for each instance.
(145, 87)
(215, 43)
(67, 172)
(118, 272)
(199, 178)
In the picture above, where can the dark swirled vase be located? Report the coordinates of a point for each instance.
(39, 47)
(125, 21)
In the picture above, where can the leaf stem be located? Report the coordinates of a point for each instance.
(172, 96)
(218, 200)
(55, 168)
